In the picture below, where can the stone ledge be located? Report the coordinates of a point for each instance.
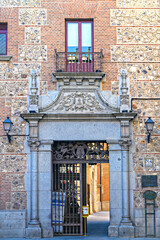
(5, 58)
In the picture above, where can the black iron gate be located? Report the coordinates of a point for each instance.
(67, 199)
(69, 182)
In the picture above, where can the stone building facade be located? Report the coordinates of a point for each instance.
(47, 106)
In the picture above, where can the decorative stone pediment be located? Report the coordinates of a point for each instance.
(79, 93)
(79, 102)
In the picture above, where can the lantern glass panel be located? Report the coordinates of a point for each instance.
(7, 126)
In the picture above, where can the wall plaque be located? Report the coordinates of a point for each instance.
(149, 195)
(149, 181)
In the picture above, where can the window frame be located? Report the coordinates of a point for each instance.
(4, 32)
(79, 21)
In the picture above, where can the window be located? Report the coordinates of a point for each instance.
(79, 36)
(3, 38)
(79, 45)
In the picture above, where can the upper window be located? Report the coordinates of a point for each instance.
(79, 36)
(3, 38)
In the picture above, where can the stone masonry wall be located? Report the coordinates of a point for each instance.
(128, 33)
(35, 29)
(137, 50)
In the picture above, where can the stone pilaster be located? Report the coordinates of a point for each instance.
(45, 187)
(126, 228)
(33, 229)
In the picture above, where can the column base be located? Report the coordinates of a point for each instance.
(33, 231)
(113, 231)
(126, 231)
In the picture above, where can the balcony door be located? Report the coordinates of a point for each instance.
(79, 46)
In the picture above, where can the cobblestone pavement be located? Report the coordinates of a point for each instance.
(97, 229)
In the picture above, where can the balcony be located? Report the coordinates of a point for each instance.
(79, 62)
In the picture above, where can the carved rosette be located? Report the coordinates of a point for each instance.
(34, 144)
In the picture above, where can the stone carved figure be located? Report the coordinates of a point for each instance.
(33, 96)
(124, 96)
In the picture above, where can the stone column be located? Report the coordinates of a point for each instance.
(45, 187)
(126, 228)
(33, 229)
(34, 219)
(125, 181)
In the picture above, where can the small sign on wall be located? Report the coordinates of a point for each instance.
(85, 211)
(149, 181)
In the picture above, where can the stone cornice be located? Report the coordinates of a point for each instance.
(60, 75)
(79, 116)
(5, 58)
(127, 116)
(32, 116)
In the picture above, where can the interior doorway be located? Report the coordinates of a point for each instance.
(79, 175)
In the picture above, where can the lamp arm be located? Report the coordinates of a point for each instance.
(9, 137)
(149, 136)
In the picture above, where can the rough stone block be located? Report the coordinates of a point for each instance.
(33, 16)
(32, 53)
(143, 72)
(134, 17)
(21, 3)
(135, 53)
(138, 35)
(32, 35)
(137, 3)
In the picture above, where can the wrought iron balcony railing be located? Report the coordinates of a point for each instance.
(79, 61)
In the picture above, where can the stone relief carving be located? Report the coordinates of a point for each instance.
(80, 150)
(79, 102)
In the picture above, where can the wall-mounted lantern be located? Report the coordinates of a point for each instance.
(149, 126)
(7, 124)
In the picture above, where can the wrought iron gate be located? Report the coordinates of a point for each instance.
(66, 201)
(69, 180)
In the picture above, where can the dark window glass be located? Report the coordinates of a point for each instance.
(3, 38)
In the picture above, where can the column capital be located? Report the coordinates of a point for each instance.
(125, 143)
(34, 144)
